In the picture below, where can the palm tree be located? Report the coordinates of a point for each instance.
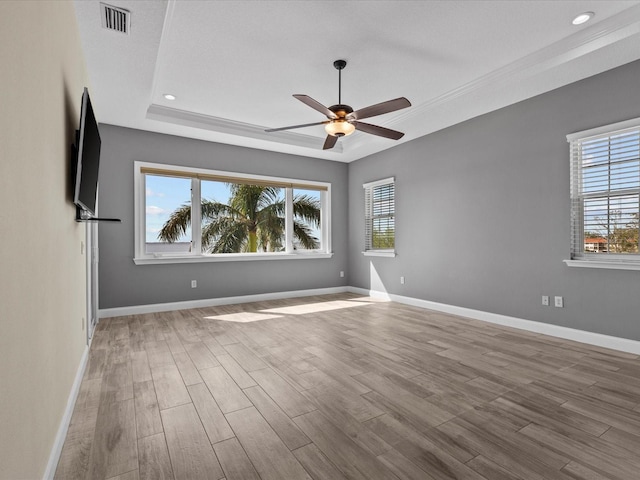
(253, 219)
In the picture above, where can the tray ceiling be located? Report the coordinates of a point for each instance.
(234, 65)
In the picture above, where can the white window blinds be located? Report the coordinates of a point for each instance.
(380, 215)
(605, 192)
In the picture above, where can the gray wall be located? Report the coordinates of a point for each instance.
(483, 212)
(482, 216)
(122, 283)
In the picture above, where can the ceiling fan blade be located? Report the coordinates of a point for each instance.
(380, 131)
(296, 126)
(307, 100)
(380, 108)
(330, 142)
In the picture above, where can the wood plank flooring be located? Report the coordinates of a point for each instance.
(346, 387)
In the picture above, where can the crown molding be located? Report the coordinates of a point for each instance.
(223, 125)
(607, 32)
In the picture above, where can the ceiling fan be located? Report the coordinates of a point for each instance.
(342, 120)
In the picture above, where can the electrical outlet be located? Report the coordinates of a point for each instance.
(401, 280)
(558, 302)
(194, 283)
(341, 274)
(545, 300)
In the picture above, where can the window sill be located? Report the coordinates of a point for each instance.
(376, 253)
(229, 257)
(613, 265)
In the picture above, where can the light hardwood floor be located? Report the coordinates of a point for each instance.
(345, 387)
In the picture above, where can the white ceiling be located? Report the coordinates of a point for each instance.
(234, 65)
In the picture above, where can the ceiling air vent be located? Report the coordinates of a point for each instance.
(114, 18)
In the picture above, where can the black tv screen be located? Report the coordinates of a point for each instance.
(88, 162)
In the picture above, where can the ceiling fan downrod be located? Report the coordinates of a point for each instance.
(340, 64)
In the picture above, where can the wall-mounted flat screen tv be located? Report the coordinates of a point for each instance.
(88, 158)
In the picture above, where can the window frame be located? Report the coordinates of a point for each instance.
(580, 257)
(368, 217)
(141, 257)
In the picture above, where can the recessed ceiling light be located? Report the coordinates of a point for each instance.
(168, 96)
(583, 18)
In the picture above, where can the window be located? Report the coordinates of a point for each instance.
(380, 231)
(186, 214)
(605, 194)
(166, 195)
(306, 233)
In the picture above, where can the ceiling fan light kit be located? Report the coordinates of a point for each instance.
(339, 127)
(342, 120)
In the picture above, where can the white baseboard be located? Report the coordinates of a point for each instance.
(56, 450)
(598, 339)
(213, 302)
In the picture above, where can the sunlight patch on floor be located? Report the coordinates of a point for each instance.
(315, 307)
(370, 300)
(243, 317)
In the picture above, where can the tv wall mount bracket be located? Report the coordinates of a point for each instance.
(84, 216)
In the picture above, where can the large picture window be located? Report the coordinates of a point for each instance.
(186, 214)
(605, 193)
(380, 230)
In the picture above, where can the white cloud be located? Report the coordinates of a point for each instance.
(151, 193)
(153, 210)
